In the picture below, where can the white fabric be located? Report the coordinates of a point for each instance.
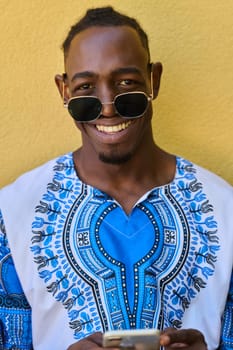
(49, 318)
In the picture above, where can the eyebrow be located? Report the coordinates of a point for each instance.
(125, 70)
(122, 70)
(85, 74)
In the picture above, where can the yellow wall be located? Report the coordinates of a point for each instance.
(194, 112)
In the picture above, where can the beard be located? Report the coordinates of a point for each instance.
(115, 158)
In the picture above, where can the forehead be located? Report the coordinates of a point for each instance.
(101, 47)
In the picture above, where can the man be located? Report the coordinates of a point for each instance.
(118, 234)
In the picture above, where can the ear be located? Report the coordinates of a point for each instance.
(156, 73)
(61, 82)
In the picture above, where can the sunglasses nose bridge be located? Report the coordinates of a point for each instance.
(108, 108)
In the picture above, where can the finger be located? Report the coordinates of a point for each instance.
(96, 338)
(92, 342)
(186, 337)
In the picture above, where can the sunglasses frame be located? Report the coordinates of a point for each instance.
(149, 98)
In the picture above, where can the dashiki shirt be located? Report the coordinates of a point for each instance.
(73, 263)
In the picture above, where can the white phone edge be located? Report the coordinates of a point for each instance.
(139, 338)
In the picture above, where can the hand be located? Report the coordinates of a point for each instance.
(189, 339)
(171, 339)
(92, 342)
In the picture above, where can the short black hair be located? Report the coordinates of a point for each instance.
(104, 17)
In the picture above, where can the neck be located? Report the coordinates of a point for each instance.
(128, 181)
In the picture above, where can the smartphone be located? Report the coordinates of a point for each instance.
(138, 339)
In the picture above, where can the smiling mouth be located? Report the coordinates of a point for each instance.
(113, 128)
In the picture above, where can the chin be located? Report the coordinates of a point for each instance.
(115, 158)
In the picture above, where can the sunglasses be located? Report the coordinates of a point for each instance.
(128, 105)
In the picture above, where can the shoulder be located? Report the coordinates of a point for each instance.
(204, 175)
(34, 181)
(217, 190)
(214, 182)
(197, 178)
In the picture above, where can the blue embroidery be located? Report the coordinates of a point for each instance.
(15, 312)
(105, 285)
(226, 342)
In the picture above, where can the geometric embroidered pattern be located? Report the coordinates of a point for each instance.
(81, 244)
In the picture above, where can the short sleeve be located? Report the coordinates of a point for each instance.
(227, 325)
(15, 312)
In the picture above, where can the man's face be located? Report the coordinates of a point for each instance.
(105, 62)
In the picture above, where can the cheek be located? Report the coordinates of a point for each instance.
(79, 126)
(82, 127)
(149, 112)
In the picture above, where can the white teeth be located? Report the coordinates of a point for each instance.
(113, 128)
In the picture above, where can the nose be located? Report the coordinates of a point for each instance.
(106, 94)
(108, 109)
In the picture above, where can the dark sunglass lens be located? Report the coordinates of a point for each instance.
(84, 109)
(131, 105)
